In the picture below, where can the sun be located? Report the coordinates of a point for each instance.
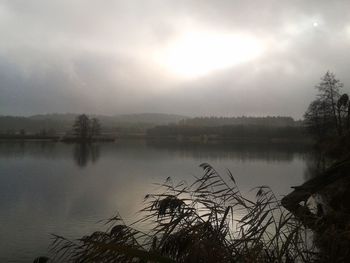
(196, 54)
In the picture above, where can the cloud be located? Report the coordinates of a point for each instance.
(74, 56)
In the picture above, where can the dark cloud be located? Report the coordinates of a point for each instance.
(74, 56)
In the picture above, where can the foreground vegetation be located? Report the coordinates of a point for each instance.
(207, 221)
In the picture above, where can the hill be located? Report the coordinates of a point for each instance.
(63, 122)
(271, 121)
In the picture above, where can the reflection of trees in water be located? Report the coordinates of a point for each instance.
(316, 163)
(241, 151)
(326, 208)
(10, 149)
(85, 153)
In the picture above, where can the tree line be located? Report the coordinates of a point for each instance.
(229, 131)
(329, 114)
(278, 121)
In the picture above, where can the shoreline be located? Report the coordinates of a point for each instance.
(172, 140)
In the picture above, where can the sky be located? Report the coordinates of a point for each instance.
(188, 57)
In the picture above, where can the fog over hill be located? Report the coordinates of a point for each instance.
(154, 118)
(138, 122)
(63, 122)
(195, 57)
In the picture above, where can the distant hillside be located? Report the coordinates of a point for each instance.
(222, 121)
(133, 123)
(148, 118)
(63, 122)
(239, 129)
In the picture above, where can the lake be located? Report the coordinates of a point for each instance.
(67, 189)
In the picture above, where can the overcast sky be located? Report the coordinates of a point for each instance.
(188, 57)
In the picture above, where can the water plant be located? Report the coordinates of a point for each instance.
(207, 221)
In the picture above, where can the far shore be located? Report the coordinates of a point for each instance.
(165, 139)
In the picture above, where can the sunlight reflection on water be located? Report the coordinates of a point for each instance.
(66, 189)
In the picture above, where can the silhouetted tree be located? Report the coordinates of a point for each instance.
(318, 118)
(81, 127)
(325, 115)
(95, 129)
(342, 111)
(329, 89)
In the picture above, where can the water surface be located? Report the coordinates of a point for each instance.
(66, 188)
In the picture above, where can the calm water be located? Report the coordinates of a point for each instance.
(66, 189)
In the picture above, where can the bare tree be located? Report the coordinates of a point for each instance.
(81, 127)
(329, 93)
(326, 115)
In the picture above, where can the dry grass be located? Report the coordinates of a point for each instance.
(207, 221)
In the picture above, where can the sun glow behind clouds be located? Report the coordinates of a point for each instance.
(196, 54)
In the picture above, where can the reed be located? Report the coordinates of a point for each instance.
(206, 221)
